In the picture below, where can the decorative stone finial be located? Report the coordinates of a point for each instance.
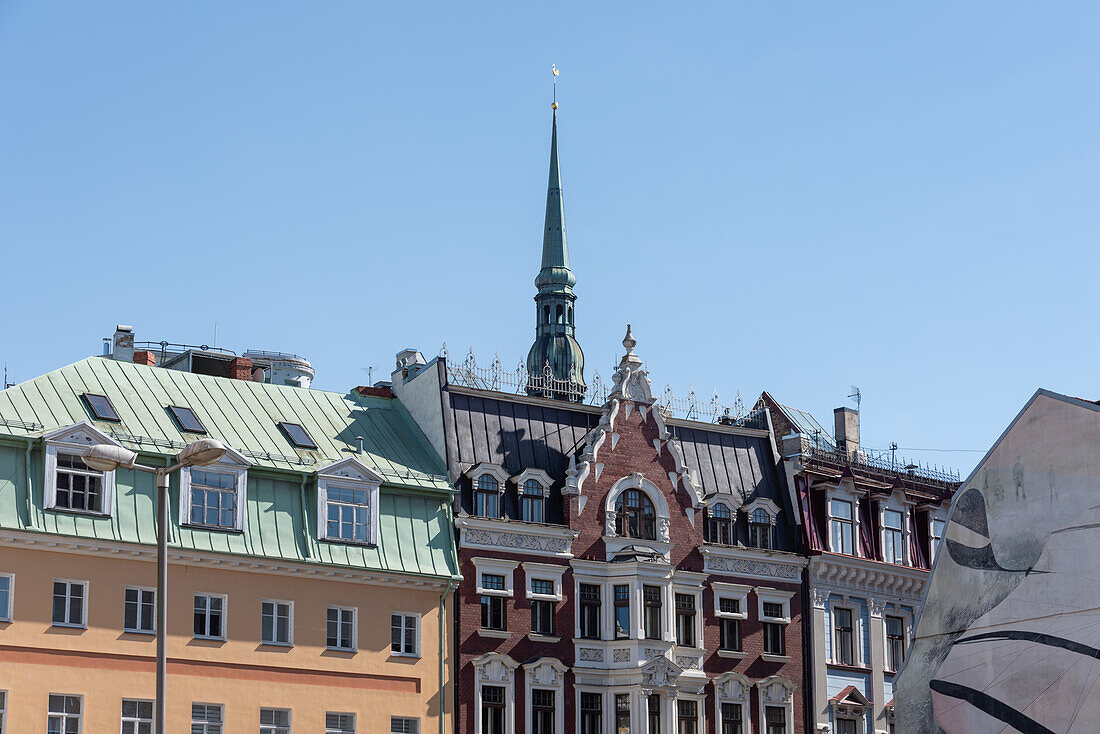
(628, 341)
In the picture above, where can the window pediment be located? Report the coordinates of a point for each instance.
(495, 470)
(82, 434)
(761, 503)
(350, 469)
(537, 475)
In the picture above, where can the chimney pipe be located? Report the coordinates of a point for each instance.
(846, 429)
(358, 444)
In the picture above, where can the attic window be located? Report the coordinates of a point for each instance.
(101, 407)
(187, 419)
(298, 435)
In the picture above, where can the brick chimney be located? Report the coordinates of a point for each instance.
(241, 368)
(146, 358)
(846, 429)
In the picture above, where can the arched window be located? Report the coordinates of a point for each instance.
(569, 315)
(532, 507)
(546, 314)
(720, 525)
(635, 516)
(559, 314)
(760, 529)
(487, 496)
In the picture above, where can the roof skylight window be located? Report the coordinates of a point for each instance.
(187, 419)
(101, 407)
(298, 435)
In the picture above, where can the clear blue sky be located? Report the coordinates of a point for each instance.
(792, 197)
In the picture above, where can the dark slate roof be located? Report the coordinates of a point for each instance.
(519, 434)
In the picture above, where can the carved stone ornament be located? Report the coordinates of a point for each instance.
(876, 607)
(774, 692)
(609, 523)
(754, 567)
(734, 688)
(495, 671)
(664, 526)
(818, 598)
(510, 539)
(545, 675)
(661, 673)
(620, 655)
(591, 655)
(687, 662)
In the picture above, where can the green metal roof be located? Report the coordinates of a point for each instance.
(415, 534)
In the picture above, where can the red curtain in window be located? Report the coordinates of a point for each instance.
(867, 529)
(916, 548)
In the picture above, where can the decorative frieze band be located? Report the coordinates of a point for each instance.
(516, 537)
(739, 562)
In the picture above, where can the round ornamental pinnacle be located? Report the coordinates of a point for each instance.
(628, 341)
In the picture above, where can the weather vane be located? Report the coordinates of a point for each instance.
(554, 69)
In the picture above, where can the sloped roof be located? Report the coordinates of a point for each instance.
(807, 425)
(242, 414)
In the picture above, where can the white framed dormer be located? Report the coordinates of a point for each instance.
(488, 482)
(732, 689)
(533, 494)
(638, 497)
(894, 515)
(544, 674)
(215, 497)
(88, 492)
(842, 521)
(776, 693)
(347, 502)
(756, 512)
(496, 671)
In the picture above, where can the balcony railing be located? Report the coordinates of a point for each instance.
(883, 466)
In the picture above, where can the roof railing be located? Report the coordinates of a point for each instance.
(885, 467)
(170, 348)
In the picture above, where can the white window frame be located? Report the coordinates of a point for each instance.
(232, 463)
(75, 440)
(221, 716)
(134, 719)
(64, 716)
(853, 522)
(475, 472)
(354, 629)
(499, 670)
(135, 630)
(224, 614)
(905, 614)
(547, 572)
(607, 710)
(700, 708)
(772, 510)
(775, 596)
(354, 721)
(3, 708)
(740, 592)
(84, 607)
(405, 730)
(416, 643)
(787, 703)
(354, 474)
(289, 718)
(679, 587)
(933, 539)
(496, 567)
(733, 687)
(544, 674)
(274, 626)
(8, 612)
(521, 479)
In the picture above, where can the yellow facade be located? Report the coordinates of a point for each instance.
(104, 664)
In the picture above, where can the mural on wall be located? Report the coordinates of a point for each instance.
(1009, 636)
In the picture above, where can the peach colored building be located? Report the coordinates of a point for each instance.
(309, 571)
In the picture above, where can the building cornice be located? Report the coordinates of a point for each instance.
(515, 536)
(753, 562)
(847, 573)
(226, 561)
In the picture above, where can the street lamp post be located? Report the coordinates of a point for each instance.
(203, 452)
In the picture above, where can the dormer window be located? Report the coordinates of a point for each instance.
(720, 525)
(893, 543)
(71, 485)
(487, 496)
(762, 514)
(532, 486)
(488, 480)
(347, 502)
(841, 527)
(760, 528)
(213, 497)
(298, 435)
(532, 503)
(635, 516)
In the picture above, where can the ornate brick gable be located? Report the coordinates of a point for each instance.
(632, 448)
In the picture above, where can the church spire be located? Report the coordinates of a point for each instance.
(555, 344)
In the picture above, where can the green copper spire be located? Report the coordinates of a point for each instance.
(555, 344)
(555, 252)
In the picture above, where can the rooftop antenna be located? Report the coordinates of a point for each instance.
(215, 334)
(893, 450)
(857, 395)
(554, 70)
(6, 383)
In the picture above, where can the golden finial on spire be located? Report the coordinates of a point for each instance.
(554, 70)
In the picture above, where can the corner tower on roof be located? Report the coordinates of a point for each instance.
(555, 363)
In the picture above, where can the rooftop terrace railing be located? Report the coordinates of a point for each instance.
(519, 381)
(888, 468)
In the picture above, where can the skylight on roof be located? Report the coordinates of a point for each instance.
(298, 435)
(101, 407)
(187, 419)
